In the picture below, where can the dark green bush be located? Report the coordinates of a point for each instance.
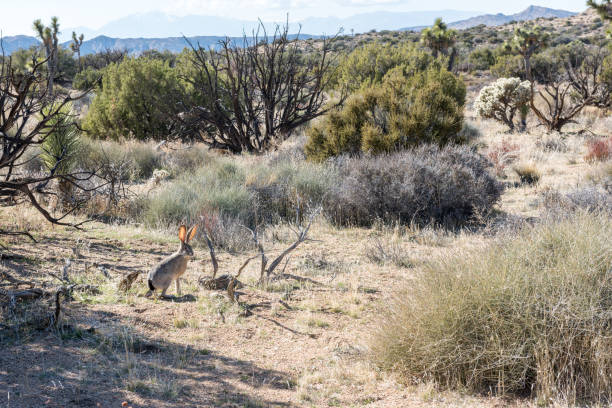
(446, 186)
(509, 66)
(87, 78)
(481, 59)
(368, 64)
(405, 110)
(139, 99)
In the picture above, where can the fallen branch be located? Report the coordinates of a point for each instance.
(18, 233)
(14, 281)
(35, 293)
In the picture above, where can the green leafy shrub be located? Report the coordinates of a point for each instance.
(87, 79)
(139, 99)
(481, 59)
(368, 64)
(509, 66)
(446, 186)
(528, 314)
(406, 110)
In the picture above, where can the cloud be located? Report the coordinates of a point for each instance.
(231, 8)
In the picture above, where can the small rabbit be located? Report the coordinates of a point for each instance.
(174, 266)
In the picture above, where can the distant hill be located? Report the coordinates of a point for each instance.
(134, 46)
(145, 25)
(138, 45)
(530, 13)
(12, 44)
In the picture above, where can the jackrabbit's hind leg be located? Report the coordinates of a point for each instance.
(163, 294)
(178, 287)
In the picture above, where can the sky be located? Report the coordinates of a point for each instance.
(17, 15)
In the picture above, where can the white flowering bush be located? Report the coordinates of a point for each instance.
(503, 99)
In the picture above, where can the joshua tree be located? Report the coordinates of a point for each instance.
(76, 45)
(48, 36)
(440, 39)
(526, 42)
(604, 8)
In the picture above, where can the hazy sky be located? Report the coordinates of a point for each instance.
(17, 15)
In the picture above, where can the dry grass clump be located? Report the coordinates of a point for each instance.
(527, 173)
(530, 314)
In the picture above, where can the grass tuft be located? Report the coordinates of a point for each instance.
(528, 314)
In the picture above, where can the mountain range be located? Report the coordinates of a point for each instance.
(531, 13)
(160, 31)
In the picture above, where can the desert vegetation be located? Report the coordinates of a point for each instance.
(383, 219)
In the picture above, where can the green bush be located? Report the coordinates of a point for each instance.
(368, 64)
(509, 66)
(405, 110)
(87, 78)
(530, 313)
(481, 59)
(447, 186)
(139, 99)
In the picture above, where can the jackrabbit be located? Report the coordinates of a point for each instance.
(174, 266)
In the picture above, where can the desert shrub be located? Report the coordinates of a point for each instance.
(527, 173)
(503, 154)
(404, 111)
(186, 160)
(426, 185)
(87, 78)
(552, 143)
(503, 99)
(481, 59)
(368, 64)
(589, 199)
(135, 161)
(146, 159)
(469, 133)
(530, 313)
(509, 66)
(139, 99)
(230, 193)
(599, 150)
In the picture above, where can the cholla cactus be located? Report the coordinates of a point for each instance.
(503, 99)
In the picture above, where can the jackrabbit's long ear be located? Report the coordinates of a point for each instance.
(182, 233)
(191, 233)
